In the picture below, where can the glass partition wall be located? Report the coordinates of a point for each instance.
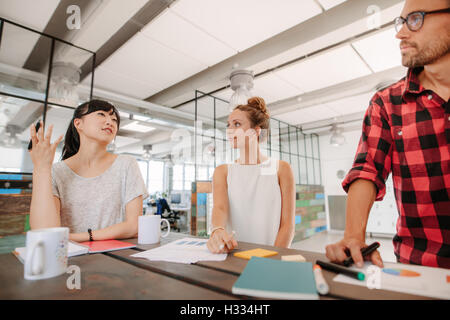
(285, 142)
(40, 79)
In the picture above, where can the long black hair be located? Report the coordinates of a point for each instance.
(72, 138)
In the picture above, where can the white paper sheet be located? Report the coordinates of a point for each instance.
(186, 250)
(432, 282)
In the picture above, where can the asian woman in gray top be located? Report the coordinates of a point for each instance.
(90, 188)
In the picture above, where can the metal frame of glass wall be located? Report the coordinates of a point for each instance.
(11, 85)
(54, 42)
(285, 142)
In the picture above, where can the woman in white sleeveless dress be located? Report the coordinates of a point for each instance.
(255, 196)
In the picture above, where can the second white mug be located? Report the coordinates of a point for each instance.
(149, 229)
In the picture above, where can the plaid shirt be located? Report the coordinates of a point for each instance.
(406, 131)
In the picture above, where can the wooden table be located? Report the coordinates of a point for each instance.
(116, 275)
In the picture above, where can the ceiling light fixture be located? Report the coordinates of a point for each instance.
(337, 138)
(136, 126)
(64, 81)
(9, 137)
(147, 154)
(241, 83)
(168, 161)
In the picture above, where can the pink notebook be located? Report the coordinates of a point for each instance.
(106, 245)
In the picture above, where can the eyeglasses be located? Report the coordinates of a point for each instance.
(414, 20)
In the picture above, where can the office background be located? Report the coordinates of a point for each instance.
(166, 64)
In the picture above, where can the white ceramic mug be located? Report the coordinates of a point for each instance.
(46, 253)
(149, 229)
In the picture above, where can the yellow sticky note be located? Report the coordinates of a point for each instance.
(255, 253)
(294, 257)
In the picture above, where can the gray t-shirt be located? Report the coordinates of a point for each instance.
(97, 202)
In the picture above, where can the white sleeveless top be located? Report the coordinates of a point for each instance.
(254, 197)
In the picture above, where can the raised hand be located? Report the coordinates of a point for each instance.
(43, 152)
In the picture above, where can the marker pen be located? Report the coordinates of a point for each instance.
(339, 269)
(321, 284)
(364, 252)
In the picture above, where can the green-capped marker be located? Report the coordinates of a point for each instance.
(340, 269)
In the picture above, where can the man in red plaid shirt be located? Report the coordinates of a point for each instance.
(406, 131)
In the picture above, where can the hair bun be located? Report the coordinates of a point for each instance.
(258, 103)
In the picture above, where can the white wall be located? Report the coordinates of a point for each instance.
(337, 158)
(383, 216)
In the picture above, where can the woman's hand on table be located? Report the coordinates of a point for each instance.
(221, 242)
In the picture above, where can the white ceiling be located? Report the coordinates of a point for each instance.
(328, 4)
(189, 36)
(31, 13)
(20, 42)
(329, 110)
(381, 51)
(17, 45)
(324, 70)
(242, 24)
(148, 62)
(193, 35)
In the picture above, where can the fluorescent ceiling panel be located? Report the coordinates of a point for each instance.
(328, 4)
(381, 51)
(147, 61)
(271, 88)
(242, 24)
(324, 70)
(174, 32)
(138, 127)
(140, 118)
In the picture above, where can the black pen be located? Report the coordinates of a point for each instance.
(364, 251)
(339, 269)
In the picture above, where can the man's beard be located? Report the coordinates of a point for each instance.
(435, 50)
